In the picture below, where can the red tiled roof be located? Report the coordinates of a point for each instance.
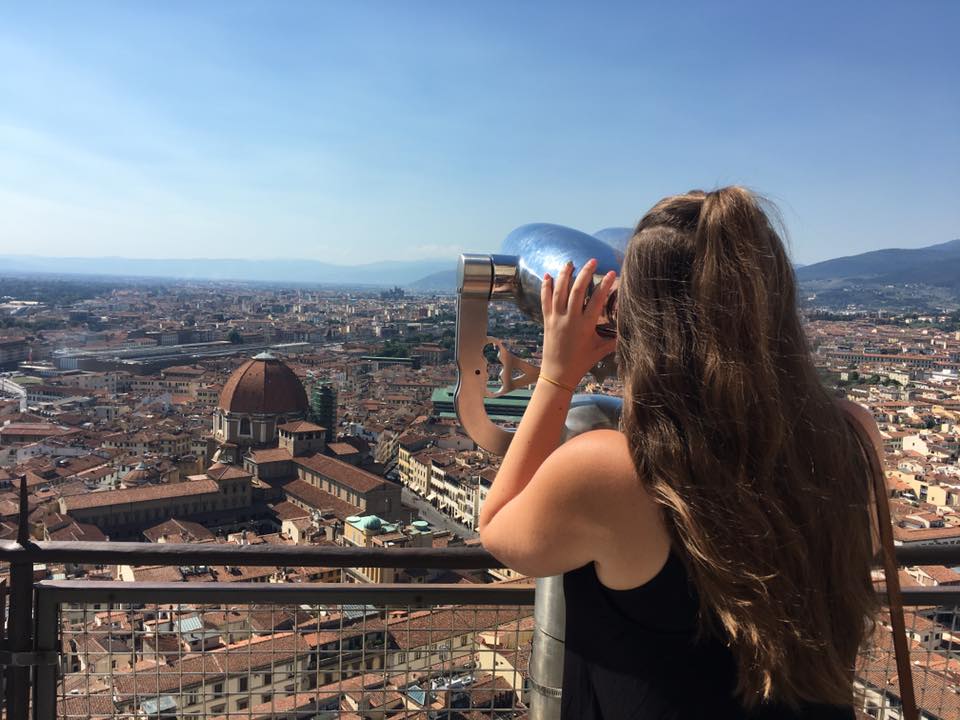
(288, 511)
(183, 370)
(300, 426)
(270, 455)
(33, 429)
(266, 386)
(143, 494)
(320, 499)
(79, 532)
(219, 471)
(940, 575)
(182, 530)
(920, 534)
(341, 472)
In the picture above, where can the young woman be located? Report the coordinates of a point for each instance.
(716, 551)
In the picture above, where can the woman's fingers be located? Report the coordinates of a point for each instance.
(600, 294)
(579, 291)
(546, 296)
(561, 291)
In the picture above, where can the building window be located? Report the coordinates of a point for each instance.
(218, 709)
(243, 703)
(244, 426)
(218, 690)
(266, 697)
(242, 685)
(267, 678)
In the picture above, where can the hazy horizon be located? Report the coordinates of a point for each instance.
(425, 260)
(419, 131)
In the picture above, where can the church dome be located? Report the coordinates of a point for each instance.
(138, 476)
(370, 522)
(264, 385)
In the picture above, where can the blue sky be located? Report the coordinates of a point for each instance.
(358, 131)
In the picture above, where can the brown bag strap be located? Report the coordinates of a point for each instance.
(890, 571)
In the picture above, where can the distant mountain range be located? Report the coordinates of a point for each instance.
(443, 281)
(387, 273)
(937, 265)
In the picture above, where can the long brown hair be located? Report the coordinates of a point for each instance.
(763, 484)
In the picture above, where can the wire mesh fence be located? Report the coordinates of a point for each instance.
(293, 661)
(289, 650)
(933, 634)
(287, 661)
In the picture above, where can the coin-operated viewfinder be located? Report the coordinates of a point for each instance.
(515, 275)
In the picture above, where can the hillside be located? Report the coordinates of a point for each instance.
(443, 281)
(937, 265)
(386, 273)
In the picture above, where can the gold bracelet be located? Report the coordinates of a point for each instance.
(559, 385)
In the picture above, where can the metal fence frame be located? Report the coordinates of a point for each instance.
(52, 594)
(31, 649)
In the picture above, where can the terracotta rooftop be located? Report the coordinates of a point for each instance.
(32, 429)
(264, 385)
(219, 471)
(342, 448)
(924, 534)
(341, 472)
(286, 510)
(320, 499)
(142, 494)
(270, 455)
(184, 370)
(298, 426)
(179, 530)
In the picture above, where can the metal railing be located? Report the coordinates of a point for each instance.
(87, 648)
(68, 628)
(192, 650)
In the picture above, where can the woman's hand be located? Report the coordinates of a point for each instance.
(571, 344)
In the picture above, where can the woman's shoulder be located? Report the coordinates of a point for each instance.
(603, 457)
(604, 452)
(637, 543)
(602, 436)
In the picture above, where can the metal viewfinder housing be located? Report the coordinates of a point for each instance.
(516, 276)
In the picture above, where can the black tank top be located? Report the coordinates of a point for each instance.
(632, 655)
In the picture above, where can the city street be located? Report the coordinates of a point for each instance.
(434, 516)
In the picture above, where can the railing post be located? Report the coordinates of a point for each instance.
(45, 687)
(546, 656)
(19, 621)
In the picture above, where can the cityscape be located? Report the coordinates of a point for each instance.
(245, 416)
(271, 279)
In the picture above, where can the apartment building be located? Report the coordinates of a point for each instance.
(372, 494)
(374, 532)
(250, 672)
